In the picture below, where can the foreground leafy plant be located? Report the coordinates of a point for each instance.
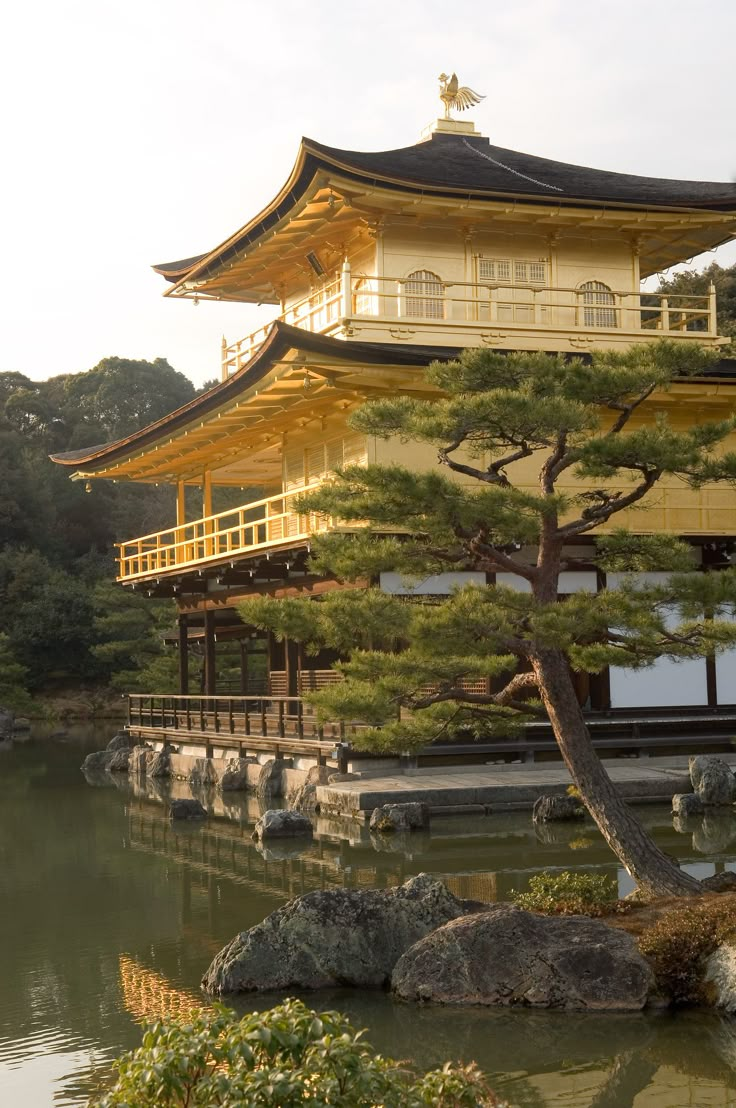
(290, 1055)
(678, 944)
(567, 893)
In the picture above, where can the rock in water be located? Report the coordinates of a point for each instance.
(557, 807)
(234, 775)
(282, 824)
(158, 763)
(187, 809)
(687, 804)
(712, 780)
(119, 761)
(119, 741)
(507, 956)
(138, 760)
(720, 977)
(270, 781)
(400, 817)
(305, 797)
(334, 937)
(100, 759)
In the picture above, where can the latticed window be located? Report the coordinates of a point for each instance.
(598, 305)
(512, 271)
(424, 295)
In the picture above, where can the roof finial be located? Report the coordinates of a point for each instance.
(454, 96)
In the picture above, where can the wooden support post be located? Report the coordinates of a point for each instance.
(210, 681)
(180, 554)
(183, 656)
(243, 644)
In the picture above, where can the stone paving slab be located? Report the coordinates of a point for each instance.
(502, 786)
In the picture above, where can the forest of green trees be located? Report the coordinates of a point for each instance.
(65, 624)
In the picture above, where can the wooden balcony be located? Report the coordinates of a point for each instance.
(525, 317)
(260, 525)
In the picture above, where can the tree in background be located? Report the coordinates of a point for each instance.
(689, 283)
(55, 538)
(515, 428)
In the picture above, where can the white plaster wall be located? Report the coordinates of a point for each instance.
(665, 684)
(441, 584)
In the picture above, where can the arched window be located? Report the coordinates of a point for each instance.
(598, 305)
(424, 295)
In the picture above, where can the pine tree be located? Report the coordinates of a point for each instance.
(523, 434)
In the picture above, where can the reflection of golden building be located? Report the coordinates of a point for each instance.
(377, 263)
(149, 996)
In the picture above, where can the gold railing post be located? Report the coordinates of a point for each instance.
(664, 307)
(712, 316)
(223, 360)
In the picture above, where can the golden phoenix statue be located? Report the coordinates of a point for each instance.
(456, 96)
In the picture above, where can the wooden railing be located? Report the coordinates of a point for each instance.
(591, 311)
(244, 724)
(260, 524)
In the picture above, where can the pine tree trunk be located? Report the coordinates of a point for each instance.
(654, 872)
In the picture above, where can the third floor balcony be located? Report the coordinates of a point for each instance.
(503, 313)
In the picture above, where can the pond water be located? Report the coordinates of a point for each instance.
(109, 916)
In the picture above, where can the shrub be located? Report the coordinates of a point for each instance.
(678, 944)
(566, 893)
(284, 1057)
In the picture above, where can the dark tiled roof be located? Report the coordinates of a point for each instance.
(448, 165)
(457, 163)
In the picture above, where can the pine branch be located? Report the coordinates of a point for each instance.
(593, 517)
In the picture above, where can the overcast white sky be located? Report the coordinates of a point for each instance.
(142, 131)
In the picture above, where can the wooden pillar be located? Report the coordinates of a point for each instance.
(206, 493)
(183, 656)
(181, 518)
(209, 653)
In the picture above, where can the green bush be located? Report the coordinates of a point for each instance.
(678, 944)
(288, 1056)
(567, 894)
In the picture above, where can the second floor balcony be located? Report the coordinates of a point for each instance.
(260, 525)
(426, 310)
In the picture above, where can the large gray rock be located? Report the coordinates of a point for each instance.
(304, 799)
(506, 956)
(99, 760)
(720, 978)
(712, 780)
(233, 777)
(282, 824)
(187, 809)
(400, 817)
(119, 760)
(119, 741)
(334, 937)
(687, 804)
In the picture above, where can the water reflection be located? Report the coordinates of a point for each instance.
(115, 913)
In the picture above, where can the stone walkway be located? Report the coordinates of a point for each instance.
(481, 789)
